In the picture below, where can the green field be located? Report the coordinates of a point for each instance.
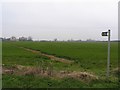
(89, 57)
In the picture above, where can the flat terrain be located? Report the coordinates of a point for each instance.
(58, 65)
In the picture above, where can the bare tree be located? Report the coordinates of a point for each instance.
(22, 39)
(55, 39)
(29, 38)
(13, 38)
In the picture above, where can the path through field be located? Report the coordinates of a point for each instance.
(39, 71)
(51, 57)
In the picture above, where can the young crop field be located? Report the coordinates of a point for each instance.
(58, 65)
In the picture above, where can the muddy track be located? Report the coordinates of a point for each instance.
(51, 57)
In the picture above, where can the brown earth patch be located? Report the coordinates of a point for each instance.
(27, 70)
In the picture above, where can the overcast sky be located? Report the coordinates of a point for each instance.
(62, 19)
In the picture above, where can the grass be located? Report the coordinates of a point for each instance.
(39, 82)
(15, 55)
(94, 53)
(42, 82)
(0, 52)
(88, 56)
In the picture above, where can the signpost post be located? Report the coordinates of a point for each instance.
(108, 58)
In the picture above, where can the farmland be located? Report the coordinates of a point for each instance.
(89, 58)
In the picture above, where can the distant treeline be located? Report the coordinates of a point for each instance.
(17, 39)
(13, 38)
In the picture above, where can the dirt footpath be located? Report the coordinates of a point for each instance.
(51, 57)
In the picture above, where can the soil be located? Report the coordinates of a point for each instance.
(29, 70)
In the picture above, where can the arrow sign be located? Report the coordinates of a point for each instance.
(104, 33)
